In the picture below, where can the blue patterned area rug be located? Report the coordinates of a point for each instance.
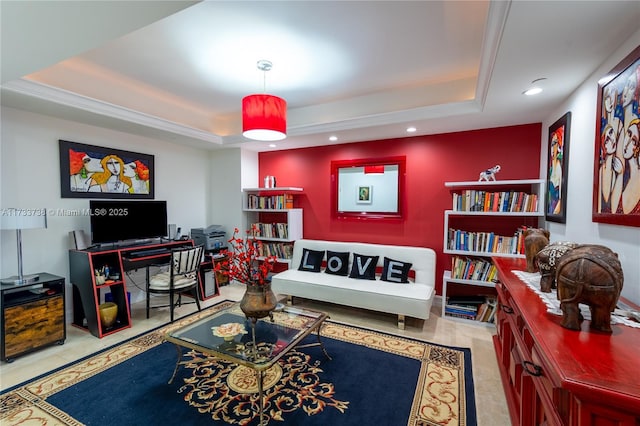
(373, 378)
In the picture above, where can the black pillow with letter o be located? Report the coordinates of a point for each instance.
(364, 267)
(311, 260)
(395, 271)
(337, 263)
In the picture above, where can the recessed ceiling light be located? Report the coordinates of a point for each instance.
(333, 138)
(535, 88)
(533, 91)
(411, 129)
(272, 145)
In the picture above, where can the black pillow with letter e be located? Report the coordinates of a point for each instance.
(364, 267)
(337, 263)
(311, 260)
(395, 271)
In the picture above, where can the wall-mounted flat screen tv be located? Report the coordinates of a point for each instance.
(118, 220)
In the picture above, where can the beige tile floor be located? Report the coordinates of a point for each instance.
(490, 399)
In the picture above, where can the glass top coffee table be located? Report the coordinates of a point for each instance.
(230, 336)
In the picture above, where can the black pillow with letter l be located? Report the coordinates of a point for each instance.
(395, 271)
(337, 263)
(311, 260)
(364, 267)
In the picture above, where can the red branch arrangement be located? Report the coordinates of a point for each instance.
(243, 261)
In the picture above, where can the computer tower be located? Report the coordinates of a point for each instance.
(209, 284)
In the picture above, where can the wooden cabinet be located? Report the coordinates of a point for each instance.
(32, 315)
(486, 220)
(555, 376)
(278, 223)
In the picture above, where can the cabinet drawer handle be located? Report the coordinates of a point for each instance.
(532, 369)
(507, 309)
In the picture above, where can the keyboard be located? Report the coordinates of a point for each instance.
(147, 252)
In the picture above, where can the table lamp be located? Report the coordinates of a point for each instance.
(18, 219)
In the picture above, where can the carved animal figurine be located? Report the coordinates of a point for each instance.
(546, 261)
(535, 239)
(489, 174)
(589, 274)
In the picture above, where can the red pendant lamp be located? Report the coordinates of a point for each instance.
(264, 117)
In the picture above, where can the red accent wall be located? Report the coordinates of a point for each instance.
(431, 161)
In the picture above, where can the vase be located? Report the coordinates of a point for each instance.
(108, 314)
(258, 301)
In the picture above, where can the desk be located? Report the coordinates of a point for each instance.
(118, 259)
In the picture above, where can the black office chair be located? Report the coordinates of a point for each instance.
(181, 277)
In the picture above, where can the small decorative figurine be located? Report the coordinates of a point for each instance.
(547, 259)
(489, 174)
(535, 239)
(589, 274)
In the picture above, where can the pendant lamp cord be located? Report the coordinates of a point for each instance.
(264, 82)
(264, 66)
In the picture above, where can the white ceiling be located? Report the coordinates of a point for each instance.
(360, 70)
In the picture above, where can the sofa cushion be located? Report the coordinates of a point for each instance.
(311, 260)
(395, 271)
(337, 263)
(364, 267)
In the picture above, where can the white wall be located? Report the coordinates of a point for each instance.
(231, 170)
(30, 178)
(624, 240)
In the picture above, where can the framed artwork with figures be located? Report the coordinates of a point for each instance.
(88, 171)
(616, 171)
(557, 170)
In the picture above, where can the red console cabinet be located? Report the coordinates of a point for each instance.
(555, 376)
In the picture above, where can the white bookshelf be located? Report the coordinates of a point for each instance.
(477, 197)
(292, 218)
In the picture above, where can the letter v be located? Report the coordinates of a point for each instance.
(362, 269)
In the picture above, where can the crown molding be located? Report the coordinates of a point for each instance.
(84, 103)
(496, 21)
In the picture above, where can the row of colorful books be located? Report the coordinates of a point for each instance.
(465, 268)
(475, 308)
(486, 242)
(484, 201)
(271, 230)
(279, 250)
(273, 202)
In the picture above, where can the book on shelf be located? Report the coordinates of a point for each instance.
(271, 202)
(486, 242)
(503, 201)
(288, 201)
(470, 269)
(279, 250)
(271, 230)
(477, 308)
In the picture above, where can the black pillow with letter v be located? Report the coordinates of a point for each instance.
(311, 260)
(337, 263)
(364, 267)
(395, 271)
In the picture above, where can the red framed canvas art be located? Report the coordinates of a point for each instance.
(616, 175)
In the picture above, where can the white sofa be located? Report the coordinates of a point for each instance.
(412, 299)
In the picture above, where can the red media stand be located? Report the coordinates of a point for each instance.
(555, 376)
